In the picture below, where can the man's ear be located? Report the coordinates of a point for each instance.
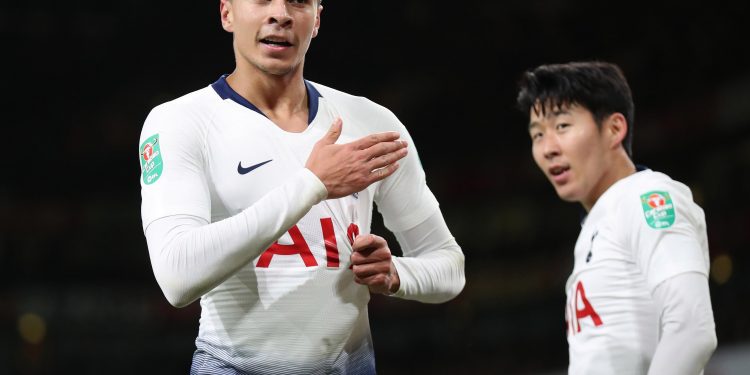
(615, 129)
(317, 21)
(227, 16)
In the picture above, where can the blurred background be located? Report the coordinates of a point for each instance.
(78, 294)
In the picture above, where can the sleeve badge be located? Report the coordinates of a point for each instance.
(658, 209)
(151, 162)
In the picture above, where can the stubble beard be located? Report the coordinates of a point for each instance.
(276, 71)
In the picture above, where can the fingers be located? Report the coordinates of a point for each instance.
(377, 276)
(365, 271)
(382, 159)
(372, 264)
(351, 167)
(378, 283)
(373, 139)
(370, 248)
(366, 243)
(333, 133)
(386, 159)
(382, 173)
(385, 148)
(371, 261)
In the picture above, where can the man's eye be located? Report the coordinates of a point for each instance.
(562, 126)
(536, 135)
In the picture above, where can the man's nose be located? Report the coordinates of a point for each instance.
(280, 13)
(550, 146)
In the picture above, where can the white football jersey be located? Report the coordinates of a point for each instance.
(295, 308)
(643, 230)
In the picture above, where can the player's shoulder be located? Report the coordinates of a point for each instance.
(646, 181)
(656, 198)
(357, 107)
(191, 106)
(186, 114)
(344, 98)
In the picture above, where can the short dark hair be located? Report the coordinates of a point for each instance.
(600, 87)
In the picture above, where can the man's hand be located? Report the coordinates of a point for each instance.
(373, 266)
(350, 168)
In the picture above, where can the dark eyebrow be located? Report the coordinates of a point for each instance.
(533, 125)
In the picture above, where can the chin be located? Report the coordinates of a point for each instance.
(274, 67)
(567, 194)
(278, 70)
(277, 67)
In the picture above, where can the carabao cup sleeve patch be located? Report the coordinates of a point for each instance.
(151, 161)
(658, 209)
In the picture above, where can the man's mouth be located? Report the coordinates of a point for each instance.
(559, 174)
(276, 41)
(558, 170)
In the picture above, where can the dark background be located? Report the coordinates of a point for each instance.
(78, 294)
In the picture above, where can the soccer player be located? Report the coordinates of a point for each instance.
(638, 297)
(257, 197)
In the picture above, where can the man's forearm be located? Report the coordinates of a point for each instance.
(688, 335)
(190, 256)
(432, 268)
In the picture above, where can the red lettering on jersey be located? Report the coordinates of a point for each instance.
(352, 232)
(587, 309)
(329, 237)
(298, 246)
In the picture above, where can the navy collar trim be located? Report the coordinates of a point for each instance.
(224, 91)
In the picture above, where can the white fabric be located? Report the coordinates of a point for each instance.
(432, 269)
(190, 258)
(208, 226)
(687, 329)
(612, 320)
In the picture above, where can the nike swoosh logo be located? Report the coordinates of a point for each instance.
(242, 170)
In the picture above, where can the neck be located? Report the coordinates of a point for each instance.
(269, 91)
(282, 98)
(620, 167)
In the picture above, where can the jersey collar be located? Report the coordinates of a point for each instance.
(583, 214)
(223, 89)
